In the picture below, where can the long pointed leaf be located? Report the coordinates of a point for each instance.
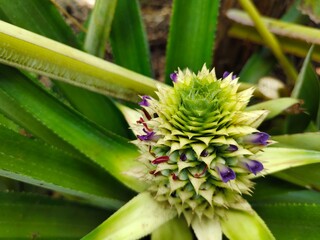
(307, 88)
(99, 27)
(299, 212)
(278, 159)
(192, 35)
(238, 225)
(176, 229)
(128, 38)
(47, 21)
(30, 51)
(110, 151)
(33, 162)
(309, 141)
(134, 220)
(26, 216)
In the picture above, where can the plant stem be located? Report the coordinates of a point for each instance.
(270, 39)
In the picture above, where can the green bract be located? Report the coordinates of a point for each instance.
(198, 144)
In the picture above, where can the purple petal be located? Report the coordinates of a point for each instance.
(226, 74)
(204, 153)
(254, 166)
(232, 148)
(147, 137)
(174, 76)
(183, 157)
(259, 138)
(226, 173)
(144, 102)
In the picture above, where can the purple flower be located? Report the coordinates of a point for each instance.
(232, 148)
(253, 166)
(174, 76)
(183, 157)
(259, 138)
(204, 153)
(226, 173)
(144, 102)
(148, 136)
(226, 74)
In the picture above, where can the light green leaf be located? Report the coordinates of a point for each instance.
(138, 218)
(239, 225)
(47, 21)
(207, 229)
(99, 27)
(299, 211)
(110, 151)
(308, 141)
(21, 48)
(278, 159)
(311, 8)
(33, 162)
(263, 59)
(129, 43)
(30, 216)
(192, 35)
(275, 107)
(176, 228)
(288, 45)
(269, 39)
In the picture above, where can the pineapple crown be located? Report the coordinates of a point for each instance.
(198, 143)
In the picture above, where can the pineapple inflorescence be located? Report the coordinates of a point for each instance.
(198, 143)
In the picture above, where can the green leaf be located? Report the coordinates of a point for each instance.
(14, 111)
(309, 141)
(311, 8)
(27, 50)
(110, 151)
(207, 228)
(307, 88)
(128, 38)
(238, 225)
(269, 39)
(306, 176)
(29, 216)
(270, 186)
(263, 59)
(275, 107)
(47, 21)
(138, 218)
(278, 159)
(42, 165)
(288, 45)
(99, 27)
(299, 211)
(192, 35)
(176, 228)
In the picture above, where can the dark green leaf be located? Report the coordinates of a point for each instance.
(26, 216)
(47, 21)
(33, 162)
(306, 176)
(292, 215)
(110, 151)
(307, 88)
(192, 35)
(128, 38)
